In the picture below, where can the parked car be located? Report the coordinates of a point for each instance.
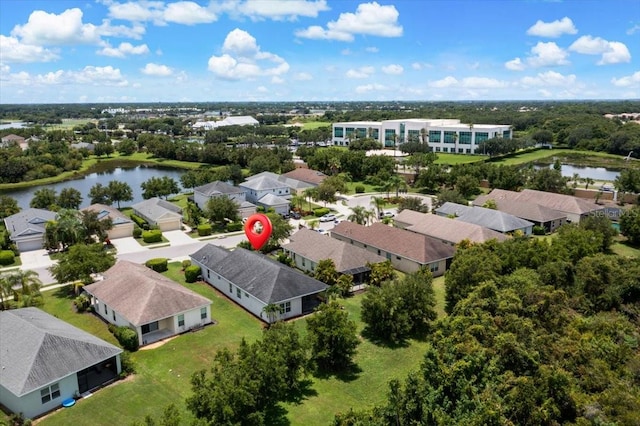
(386, 214)
(323, 231)
(329, 217)
(295, 214)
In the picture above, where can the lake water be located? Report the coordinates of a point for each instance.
(133, 176)
(15, 125)
(595, 173)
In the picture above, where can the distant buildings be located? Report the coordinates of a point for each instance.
(443, 135)
(242, 120)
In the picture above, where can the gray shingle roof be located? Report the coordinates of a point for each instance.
(489, 218)
(142, 295)
(28, 222)
(316, 247)
(560, 202)
(258, 275)
(446, 229)
(263, 183)
(285, 180)
(154, 208)
(523, 209)
(38, 349)
(104, 211)
(218, 188)
(272, 200)
(310, 176)
(418, 247)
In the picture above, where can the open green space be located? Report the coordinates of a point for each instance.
(312, 124)
(453, 159)
(163, 374)
(623, 248)
(565, 155)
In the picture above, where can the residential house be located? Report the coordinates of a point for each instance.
(542, 216)
(575, 208)
(158, 212)
(308, 247)
(489, 218)
(310, 176)
(407, 251)
(135, 296)
(83, 145)
(27, 228)
(255, 281)
(14, 140)
(268, 192)
(445, 229)
(202, 195)
(45, 361)
(122, 224)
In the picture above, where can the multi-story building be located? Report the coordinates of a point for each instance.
(442, 135)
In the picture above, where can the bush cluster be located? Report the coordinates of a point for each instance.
(538, 230)
(152, 236)
(137, 232)
(82, 303)
(320, 211)
(204, 230)
(158, 264)
(191, 273)
(140, 221)
(359, 189)
(7, 257)
(127, 337)
(234, 226)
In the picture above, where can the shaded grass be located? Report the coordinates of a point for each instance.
(439, 292)
(623, 248)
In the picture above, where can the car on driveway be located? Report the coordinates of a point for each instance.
(295, 215)
(328, 218)
(386, 214)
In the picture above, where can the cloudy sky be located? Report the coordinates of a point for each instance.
(318, 50)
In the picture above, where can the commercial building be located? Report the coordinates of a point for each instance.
(442, 135)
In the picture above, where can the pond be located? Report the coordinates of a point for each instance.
(13, 125)
(595, 173)
(132, 175)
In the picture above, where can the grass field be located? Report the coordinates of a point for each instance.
(622, 248)
(310, 125)
(541, 154)
(163, 373)
(453, 159)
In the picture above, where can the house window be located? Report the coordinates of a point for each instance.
(106, 310)
(238, 293)
(434, 267)
(203, 313)
(303, 262)
(378, 252)
(49, 393)
(113, 314)
(285, 307)
(208, 273)
(398, 258)
(148, 328)
(246, 294)
(181, 320)
(230, 288)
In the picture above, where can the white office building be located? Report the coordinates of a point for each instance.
(442, 135)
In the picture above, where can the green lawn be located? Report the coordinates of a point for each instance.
(622, 248)
(311, 125)
(453, 159)
(540, 154)
(163, 373)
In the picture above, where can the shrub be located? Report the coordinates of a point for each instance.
(260, 209)
(204, 230)
(359, 189)
(152, 236)
(191, 273)
(137, 232)
(234, 226)
(7, 257)
(185, 264)
(158, 264)
(139, 221)
(82, 303)
(538, 230)
(127, 338)
(320, 211)
(126, 363)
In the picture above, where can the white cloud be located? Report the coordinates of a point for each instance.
(393, 69)
(420, 65)
(632, 80)
(514, 65)
(372, 49)
(369, 19)
(156, 70)
(303, 76)
(345, 52)
(242, 58)
(188, 13)
(633, 29)
(552, 29)
(366, 88)
(108, 76)
(15, 51)
(138, 11)
(88, 76)
(362, 72)
(549, 78)
(612, 52)
(448, 81)
(277, 80)
(278, 10)
(483, 83)
(262, 89)
(123, 50)
(547, 55)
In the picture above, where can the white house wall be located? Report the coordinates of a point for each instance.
(30, 405)
(120, 231)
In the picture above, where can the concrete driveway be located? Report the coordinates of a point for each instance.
(127, 245)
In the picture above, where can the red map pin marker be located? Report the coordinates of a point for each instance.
(257, 240)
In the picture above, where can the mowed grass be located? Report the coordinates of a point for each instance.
(622, 248)
(453, 159)
(537, 155)
(163, 374)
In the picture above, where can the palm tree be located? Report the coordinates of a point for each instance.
(369, 216)
(273, 311)
(378, 204)
(359, 215)
(26, 285)
(309, 194)
(387, 187)
(576, 178)
(6, 293)
(297, 201)
(398, 183)
(588, 181)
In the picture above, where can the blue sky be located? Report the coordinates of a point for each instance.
(317, 50)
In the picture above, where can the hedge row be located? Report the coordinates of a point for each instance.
(320, 211)
(7, 257)
(152, 236)
(127, 337)
(191, 273)
(158, 264)
(234, 226)
(204, 230)
(140, 221)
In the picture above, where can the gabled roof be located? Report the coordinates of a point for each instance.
(28, 222)
(417, 247)
(104, 211)
(560, 202)
(489, 218)
(155, 208)
(523, 209)
(314, 177)
(272, 200)
(12, 138)
(38, 349)
(239, 120)
(446, 229)
(287, 181)
(218, 188)
(142, 295)
(316, 247)
(262, 183)
(265, 279)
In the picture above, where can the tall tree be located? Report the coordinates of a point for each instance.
(99, 195)
(119, 191)
(23, 287)
(630, 225)
(332, 337)
(378, 203)
(8, 206)
(159, 187)
(43, 198)
(220, 209)
(80, 262)
(69, 198)
(358, 215)
(95, 227)
(326, 272)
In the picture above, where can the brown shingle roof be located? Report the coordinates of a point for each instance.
(142, 295)
(316, 247)
(523, 209)
(560, 202)
(306, 175)
(108, 211)
(446, 229)
(417, 247)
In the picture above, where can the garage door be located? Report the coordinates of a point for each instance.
(29, 245)
(170, 225)
(121, 231)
